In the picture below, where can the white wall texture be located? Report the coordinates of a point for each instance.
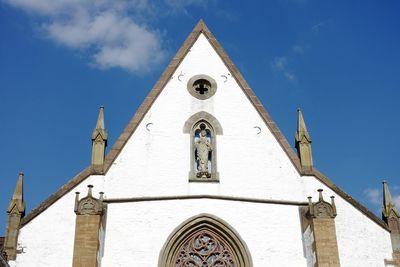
(157, 163)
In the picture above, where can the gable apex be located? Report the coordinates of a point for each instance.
(199, 29)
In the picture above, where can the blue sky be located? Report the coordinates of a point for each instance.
(337, 60)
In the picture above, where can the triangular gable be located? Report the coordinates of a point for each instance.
(117, 147)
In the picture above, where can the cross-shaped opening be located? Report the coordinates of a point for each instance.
(202, 86)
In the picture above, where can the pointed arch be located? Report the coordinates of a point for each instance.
(202, 115)
(223, 244)
(203, 129)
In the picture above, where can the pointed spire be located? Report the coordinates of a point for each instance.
(303, 143)
(16, 210)
(392, 217)
(100, 119)
(389, 208)
(301, 126)
(99, 143)
(100, 129)
(17, 199)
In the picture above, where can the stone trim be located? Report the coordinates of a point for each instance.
(212, 90)
(228, 198)
(321, 208)
(89, 211)
(205, 221)
(152, 96)
(326, 181)
(213, 176)
(216, 128)
(202, 115)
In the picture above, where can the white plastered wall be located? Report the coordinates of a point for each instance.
(48, 240)
(272, 239)
(361, 242)
(156, 162)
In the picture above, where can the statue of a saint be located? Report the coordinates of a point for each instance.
(203, 149)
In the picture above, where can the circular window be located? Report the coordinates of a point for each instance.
(202, 86)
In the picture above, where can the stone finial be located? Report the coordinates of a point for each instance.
(321, 208)
(99, 143)
(303, 143)
(16, 210)
(392, 218)
(89, 205)
(17, 204)
(389, 209)
(89, 217)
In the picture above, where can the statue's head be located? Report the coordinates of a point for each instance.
(203, 133)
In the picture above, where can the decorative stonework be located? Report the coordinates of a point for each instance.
(204, 241)
(205, 249)
(89, 205)
(202, 115)
(321, 218)
(89, 215)
(322, 209)
(202, 86)
(16, 210)
(303, 144)
(200, 146)
(203, 153)
(99, 144)
(391, 216)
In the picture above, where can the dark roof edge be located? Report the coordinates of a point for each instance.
(152, 96)
(325, 180)
(56, 196)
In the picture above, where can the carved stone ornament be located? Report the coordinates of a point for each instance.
(321, 209)
(203, 153)
(89, 205)
(205, 249)
(202, 86)
(204, 241)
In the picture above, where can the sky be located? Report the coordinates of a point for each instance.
(339, 61)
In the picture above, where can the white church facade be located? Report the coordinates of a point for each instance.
(201, 177)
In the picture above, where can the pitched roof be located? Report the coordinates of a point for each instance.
(200, 28)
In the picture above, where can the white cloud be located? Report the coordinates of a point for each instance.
(318, 27)
(280, 64)
(113, 33)
(373, 195)
(299, 49)
(181, 5)
(290, 76)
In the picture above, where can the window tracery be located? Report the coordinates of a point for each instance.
(202, 86)
(204, 241)
(205, 249)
